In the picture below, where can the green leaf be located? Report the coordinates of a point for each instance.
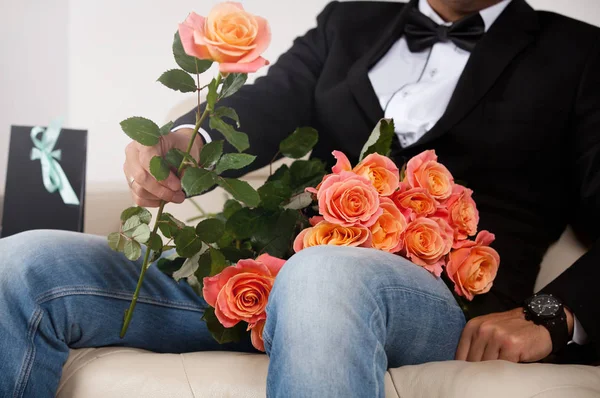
(174, 157)
(211, 96)
(169, 226)
(166, 129)
(187, 243)
(178, 80)
(132, 250)
(155, 243)
(218, 262)
(116, 241)
(299, 143)
(233, 254)
(240, 190)
(220, 333)
(306, 173)
(238, 139)
(281, 174)
(169, 266)
(299, 201)
(141, 233)
(190, 266)
(186, 62)
(196, 181)
(273, 194)
(225, 240)
(276, 233)
(204, 266)
(211, 153)
(144, 215)
(231, 206)
(380, 140)
(232, 83)
(210, 230)
(131, 225)
(159, 168)
(243, 223)
(142, 130)
(230, 113)
(234, 161)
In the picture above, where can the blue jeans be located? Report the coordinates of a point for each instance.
(338, 317)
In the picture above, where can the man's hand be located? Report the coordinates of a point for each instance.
(146, 191)
(505, 335)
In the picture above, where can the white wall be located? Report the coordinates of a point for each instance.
(96, 62)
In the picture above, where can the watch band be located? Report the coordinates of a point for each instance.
(559, 331)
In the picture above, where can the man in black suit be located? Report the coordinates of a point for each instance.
(510, 100)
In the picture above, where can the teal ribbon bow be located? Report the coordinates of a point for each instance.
(53, 175)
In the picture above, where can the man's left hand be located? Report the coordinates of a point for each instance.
(505, 335)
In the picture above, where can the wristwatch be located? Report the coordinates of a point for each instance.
(548, 311)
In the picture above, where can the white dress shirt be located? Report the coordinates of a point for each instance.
(414, 89)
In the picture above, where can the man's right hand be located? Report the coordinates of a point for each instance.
(146, 191)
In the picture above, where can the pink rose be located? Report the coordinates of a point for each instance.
(463, 213)
(240, 292)
(424, 171)
(229, 35)
(256, 335)
(381, 171)
(348, 199)
(427, 241)
(326, 233)
(474, 266)
(387, 230)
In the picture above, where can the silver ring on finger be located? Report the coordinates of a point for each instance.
(131, 180)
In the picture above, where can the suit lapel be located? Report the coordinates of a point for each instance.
(358, 75)
(512, 32)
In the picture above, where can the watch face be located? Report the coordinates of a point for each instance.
(544, 306)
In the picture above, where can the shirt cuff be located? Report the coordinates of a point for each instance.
(580, 337)
(201, 131)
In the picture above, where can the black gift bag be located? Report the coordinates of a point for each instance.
(45, 180)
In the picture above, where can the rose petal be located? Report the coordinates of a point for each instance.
(261, 42)
(243, 67)
(343, 164)
(274, 264)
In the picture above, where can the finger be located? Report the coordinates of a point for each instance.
(479, 341)
(145, 202)
(143, 180)
(145, 156)
(492, 350)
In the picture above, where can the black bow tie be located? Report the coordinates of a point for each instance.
(422, 33)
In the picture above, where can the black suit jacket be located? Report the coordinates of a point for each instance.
(522, 130)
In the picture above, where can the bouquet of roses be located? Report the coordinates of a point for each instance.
(232, 258)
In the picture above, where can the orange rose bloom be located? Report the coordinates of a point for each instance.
(415, 203)
(381, 171)
(463, 213)
(474, 266)
(424, 171)
(426, 243)
(387, 230)
(326, 233)
(228, 35)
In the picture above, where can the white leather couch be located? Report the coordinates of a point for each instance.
(122, 372)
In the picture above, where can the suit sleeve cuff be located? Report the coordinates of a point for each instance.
(201, 131)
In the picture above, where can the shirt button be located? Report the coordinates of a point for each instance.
(433, 72)
(405, 94)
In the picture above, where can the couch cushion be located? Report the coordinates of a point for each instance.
(126, 372)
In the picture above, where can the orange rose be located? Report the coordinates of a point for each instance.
(427, 241)
(387, 230)
(256, 335)
(240, 292)
(474, 266)
(415, 203)
(326, 233)
(381, 171)
(342, 164)
(348, 199)
(424, 171)
(229, 35)
(463, 213)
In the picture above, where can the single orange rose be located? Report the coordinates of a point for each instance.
(474, 266)
(424, 171)
(415, 203)
(427, 241)
(326, 233)
(463, 213)
(348, 199)
(381, 171)
(387, 230)
(228, 35)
